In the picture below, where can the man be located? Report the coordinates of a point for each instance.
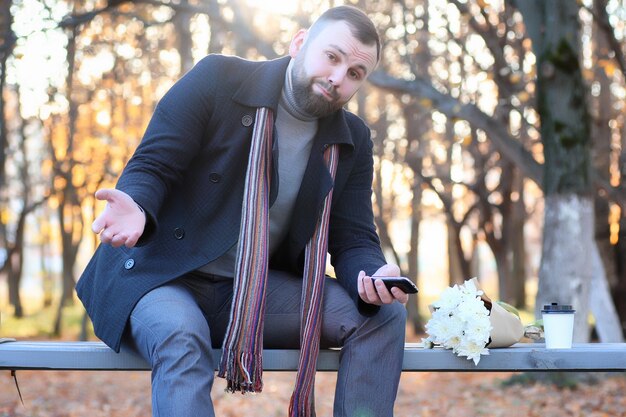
(244, 165)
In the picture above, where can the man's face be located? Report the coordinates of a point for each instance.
(329, 68)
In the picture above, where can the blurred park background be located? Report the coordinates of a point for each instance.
(498, 129)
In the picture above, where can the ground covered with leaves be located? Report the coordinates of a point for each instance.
(127, 394)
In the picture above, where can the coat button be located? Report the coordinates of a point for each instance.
(246, 120)
(179, 233)
(215, 177)
(129, 263)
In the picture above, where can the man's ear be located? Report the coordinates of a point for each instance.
(296, 42)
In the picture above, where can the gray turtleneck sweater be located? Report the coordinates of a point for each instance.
(294, 134)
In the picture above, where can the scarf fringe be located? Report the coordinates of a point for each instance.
(243, 372)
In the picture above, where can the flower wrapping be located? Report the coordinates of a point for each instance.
(465, 320)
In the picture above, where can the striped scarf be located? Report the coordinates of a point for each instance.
(242, 352)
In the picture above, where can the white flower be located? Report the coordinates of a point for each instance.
(445, 328)
(427, 343)
(472, 308)
(478, 330)
(460, 321)
(472, 350)
(449, 300)
(453, 342)
(469, 288)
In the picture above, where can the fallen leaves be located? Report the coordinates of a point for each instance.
(423, 394)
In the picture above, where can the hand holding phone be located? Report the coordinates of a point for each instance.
(405, 284)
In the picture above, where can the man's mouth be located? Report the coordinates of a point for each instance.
(328, 93)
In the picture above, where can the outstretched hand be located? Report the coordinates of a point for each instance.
(374, 291)
(122, 222)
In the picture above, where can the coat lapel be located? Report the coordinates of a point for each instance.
(262, 89)
(264, 85)
(317, 181)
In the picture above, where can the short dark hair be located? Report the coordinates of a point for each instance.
(360, 24)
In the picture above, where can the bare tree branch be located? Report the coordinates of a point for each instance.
(239, 25)
(504, 143)
(78, 19)
(601, 17)
(508, 146)
(528, 9)
(493, 42)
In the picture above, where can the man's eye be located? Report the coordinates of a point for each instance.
(331, 57)
(354, 75)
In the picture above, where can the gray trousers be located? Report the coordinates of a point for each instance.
(175, 326)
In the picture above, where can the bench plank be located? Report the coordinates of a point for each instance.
(40, 355)
(96, 356)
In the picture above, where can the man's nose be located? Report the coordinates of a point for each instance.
(337, 77)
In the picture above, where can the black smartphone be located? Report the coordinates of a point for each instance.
(403, 283)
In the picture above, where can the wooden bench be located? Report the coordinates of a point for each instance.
(95, 356)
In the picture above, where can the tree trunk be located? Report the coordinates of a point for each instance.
(83, 327)
(619, 291)
(603, 112)
(455, 256)
(69, 209)
(413, 316)
(566, 267)
(604, 255)
(216, 26)
(518, 245)
(608, 324)
(7, 41)
(182, 22)
(475, 264)
(418, 124)
(505, 259)
(504, 268)
(565, 271)
(14, 280)
(16, 257)
(71, 225)
(47, 281)
(509, 250)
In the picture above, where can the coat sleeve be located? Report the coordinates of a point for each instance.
(353, 242)
(172, 139)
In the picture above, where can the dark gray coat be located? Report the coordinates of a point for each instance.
(188, 174)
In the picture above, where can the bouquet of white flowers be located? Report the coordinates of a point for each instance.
(466, 321)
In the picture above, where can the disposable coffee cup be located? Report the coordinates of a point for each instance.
(558, 325)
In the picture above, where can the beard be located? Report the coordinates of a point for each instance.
(307, 99)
